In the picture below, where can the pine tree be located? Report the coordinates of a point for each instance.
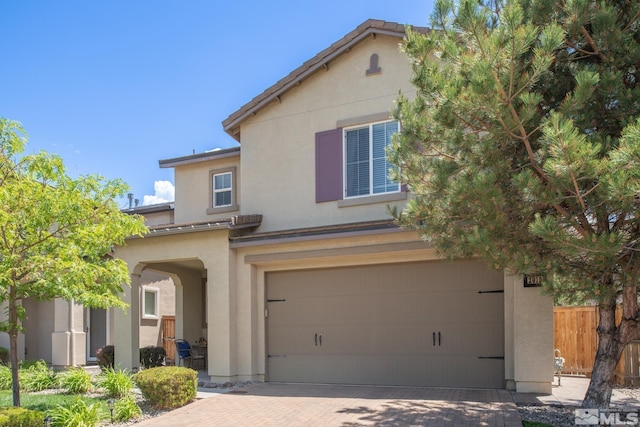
(522, 147)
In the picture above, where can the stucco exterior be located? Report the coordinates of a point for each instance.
(276, 223)
(211, 263)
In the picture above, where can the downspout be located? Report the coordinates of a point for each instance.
(72, 340)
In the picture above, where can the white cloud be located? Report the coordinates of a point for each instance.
(165, 192)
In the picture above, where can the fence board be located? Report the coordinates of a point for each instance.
(575, 335)
(168, 327)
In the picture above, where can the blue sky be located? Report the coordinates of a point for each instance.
(114, 86)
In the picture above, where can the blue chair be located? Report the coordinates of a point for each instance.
(185, 354)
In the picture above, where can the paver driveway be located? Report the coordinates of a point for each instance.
(272, 404)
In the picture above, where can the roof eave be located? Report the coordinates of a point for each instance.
(200, 157)
(231, 125)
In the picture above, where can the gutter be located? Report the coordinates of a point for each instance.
(233, 223)
(314, 233)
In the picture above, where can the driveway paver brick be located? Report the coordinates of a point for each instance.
(273, 404)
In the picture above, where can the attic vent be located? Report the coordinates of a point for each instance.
(374, 68)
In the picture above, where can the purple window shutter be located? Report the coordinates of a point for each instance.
(329, 165)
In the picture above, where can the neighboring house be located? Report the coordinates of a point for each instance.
(67, 334)
(284, 256)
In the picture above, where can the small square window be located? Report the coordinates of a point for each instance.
(150, 303)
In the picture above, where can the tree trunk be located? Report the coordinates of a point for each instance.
(13, 344)
(612, 341)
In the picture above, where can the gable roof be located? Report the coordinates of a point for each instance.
(370, 27)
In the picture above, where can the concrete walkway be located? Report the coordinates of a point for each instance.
(274, 404)
(571, 393)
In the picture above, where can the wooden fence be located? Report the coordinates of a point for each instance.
(168, 327)
(576, 337)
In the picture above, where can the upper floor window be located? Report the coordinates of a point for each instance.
(366, 168)
(222, 190)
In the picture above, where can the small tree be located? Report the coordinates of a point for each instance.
(56, 235)
(522, 147)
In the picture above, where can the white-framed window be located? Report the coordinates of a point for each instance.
(222, 190)
(366, 168)
(150, 302)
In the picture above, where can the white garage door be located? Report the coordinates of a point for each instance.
(427, 324)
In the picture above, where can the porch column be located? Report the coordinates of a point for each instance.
(221, 310)
(126, 333)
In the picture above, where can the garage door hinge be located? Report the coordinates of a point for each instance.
(491, 357)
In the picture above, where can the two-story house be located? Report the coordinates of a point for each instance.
(284, 256)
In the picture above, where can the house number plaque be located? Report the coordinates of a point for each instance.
(533, 281)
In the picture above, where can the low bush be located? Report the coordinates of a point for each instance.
(78, 414)
(37, 377)
(21, 417)
(76, 381)
(126, 409)
(105, 356)
(6, 380)
(4, 355)
(116, 383)
(168, 387)
(152, 357)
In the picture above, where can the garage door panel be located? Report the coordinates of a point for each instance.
(292, 339)
(377, 323)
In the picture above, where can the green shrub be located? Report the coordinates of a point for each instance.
(152, 357)
(116, 383)
(78, 414)
(126, 409)
(105, 356)
(4, 355)
(6, 380)
(76, 381)
(21, 417)
(38, 377)
(168, 386)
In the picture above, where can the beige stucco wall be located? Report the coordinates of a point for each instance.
(193, 187)
(68, 340)
(158, 218)
(38, 325)
(278, 181)
(150, 329)
(187, 258)
(278, 144)
(528, 337)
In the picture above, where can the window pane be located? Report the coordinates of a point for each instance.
(357, 162)
(366, 164)
(223, 198)
(149, 303)
(222, 181)
(382, 133)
